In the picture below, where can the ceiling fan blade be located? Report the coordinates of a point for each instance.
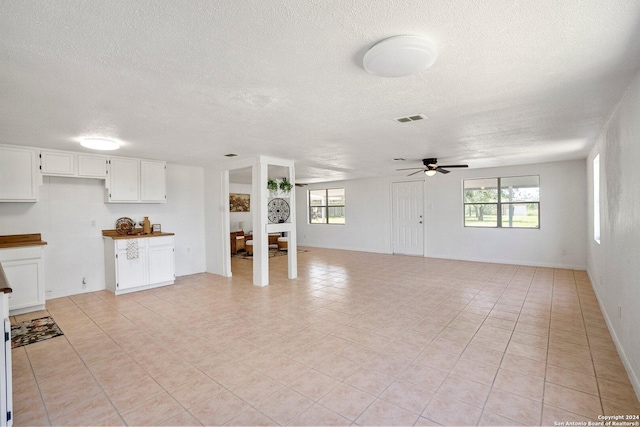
(439, 169)
(454, 166)
(408, 169)
(413, 173)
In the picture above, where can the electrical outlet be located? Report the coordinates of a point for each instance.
(564, 252)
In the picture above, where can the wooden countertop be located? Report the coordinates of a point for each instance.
(20, 240)
(115, 235)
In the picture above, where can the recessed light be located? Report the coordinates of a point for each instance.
(100, 144)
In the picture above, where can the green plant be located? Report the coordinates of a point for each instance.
(285, 185)
(272, 185)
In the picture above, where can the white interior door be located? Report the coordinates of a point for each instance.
(407, 217)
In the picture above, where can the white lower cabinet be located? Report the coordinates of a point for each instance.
(161, 260)
(132, 272)
(6, 372)
(151, 265)
(24, 269)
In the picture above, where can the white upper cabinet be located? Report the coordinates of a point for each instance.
(19, 174)
(124, 180)
(128, 180)
(91, 166)
(136, 181)
(67, 163)
(152, 181)
(57, 163)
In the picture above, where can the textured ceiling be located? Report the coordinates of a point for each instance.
(188, 81)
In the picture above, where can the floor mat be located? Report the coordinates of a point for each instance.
(272, 254)
(32, 331)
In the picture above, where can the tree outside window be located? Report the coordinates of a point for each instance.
(327, 206)
(511, 202)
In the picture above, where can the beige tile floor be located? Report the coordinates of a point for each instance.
(357, 339)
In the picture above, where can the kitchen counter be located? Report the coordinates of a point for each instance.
(20, 240)
(115, 235)
(21, 257)
(138, 262)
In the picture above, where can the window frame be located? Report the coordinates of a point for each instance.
(499, 204)
(326, 206)
(596, 199)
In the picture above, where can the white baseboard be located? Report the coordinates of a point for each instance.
(633, 376)
(511, 262)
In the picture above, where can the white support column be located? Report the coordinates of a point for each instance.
(226, 254)
(260, 237)
(292, 243)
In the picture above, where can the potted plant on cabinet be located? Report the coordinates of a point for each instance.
(285, 186)
(272, 186)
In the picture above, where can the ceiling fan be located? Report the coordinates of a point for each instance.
(431, 167)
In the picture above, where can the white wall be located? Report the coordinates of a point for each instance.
(368, 219)
(68, 207)
(563, 219)
(613, 265)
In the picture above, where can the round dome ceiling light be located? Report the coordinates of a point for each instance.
(399, 56)
(100, 144)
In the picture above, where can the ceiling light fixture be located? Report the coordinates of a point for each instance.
(430, 172)
(100, 144)
(399, 56)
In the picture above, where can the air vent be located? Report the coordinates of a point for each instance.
(410, 118)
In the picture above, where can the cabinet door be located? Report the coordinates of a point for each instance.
(131, 273)
(161, 264)
(57, 163)
(6, 382)
(24, 276)
(152, 181)
(18, 174)
(123, 180)
(92, 166)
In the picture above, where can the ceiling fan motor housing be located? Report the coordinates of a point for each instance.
(430, 163)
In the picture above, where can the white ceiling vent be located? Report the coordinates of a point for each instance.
(408, 119)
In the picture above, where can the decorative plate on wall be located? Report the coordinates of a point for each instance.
(278, 210)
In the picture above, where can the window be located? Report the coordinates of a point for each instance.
(512, 202)
(596, 198)
(326, 206)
